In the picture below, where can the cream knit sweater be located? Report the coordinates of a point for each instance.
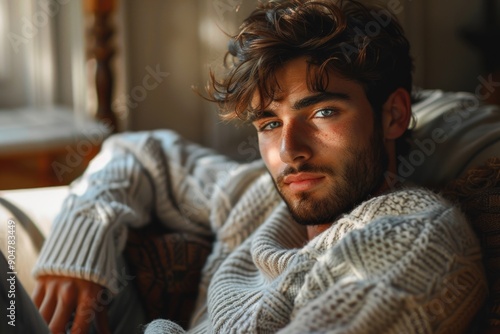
(403, 262)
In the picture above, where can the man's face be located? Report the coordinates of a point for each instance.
(323, 150)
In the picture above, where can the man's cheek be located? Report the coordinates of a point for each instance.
(271, 157)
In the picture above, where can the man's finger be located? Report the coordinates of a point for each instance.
(102, 322)
(38, 294)
(48, 306)
(62, 315)
(85, 314)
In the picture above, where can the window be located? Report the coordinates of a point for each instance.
(41, 53)
(43, 114)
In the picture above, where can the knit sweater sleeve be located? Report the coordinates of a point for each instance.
(136, 177)
(407, 274)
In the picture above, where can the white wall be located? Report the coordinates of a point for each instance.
(163, 36)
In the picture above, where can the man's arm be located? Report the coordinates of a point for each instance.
(134, 178)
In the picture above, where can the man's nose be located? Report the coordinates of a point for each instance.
(295, 143)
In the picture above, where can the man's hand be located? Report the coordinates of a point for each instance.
(58, 297)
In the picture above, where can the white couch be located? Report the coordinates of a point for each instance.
(40, 206)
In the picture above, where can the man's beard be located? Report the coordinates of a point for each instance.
(361, 177)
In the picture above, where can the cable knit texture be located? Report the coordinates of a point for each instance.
(402, 262)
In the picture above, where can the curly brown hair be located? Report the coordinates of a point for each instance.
(359, 42)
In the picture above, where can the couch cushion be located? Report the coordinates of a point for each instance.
(168, 271)
(478, 194)
(32, 211)
(454, 131)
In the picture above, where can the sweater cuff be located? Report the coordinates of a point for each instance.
(161, 326)
(89, 248)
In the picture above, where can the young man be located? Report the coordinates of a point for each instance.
(314, 239)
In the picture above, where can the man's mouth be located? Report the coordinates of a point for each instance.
(302, 181)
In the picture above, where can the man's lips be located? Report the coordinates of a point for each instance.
(302, 181)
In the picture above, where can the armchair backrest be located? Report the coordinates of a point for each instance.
(456, 151)
(454, 131)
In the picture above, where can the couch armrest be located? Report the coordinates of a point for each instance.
(32, 212)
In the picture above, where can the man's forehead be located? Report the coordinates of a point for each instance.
(301, 76)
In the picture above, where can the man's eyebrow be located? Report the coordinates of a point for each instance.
(262, 115)
(320, 97)
(304, 103)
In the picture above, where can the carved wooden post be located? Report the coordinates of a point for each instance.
(102, 49)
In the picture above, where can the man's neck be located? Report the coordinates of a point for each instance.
(315, 230)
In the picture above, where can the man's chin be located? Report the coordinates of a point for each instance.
(322, 205)
(311, 211)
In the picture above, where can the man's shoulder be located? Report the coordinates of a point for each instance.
(414, 211)
(418, 210)
(413, 218)
(403, 202)
(397, 215)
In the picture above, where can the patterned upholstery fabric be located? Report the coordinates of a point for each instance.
(168, 269)
(478, 194)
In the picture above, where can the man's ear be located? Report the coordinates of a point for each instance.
(396, 114)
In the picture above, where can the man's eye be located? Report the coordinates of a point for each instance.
(270, 126)
(325, 113)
